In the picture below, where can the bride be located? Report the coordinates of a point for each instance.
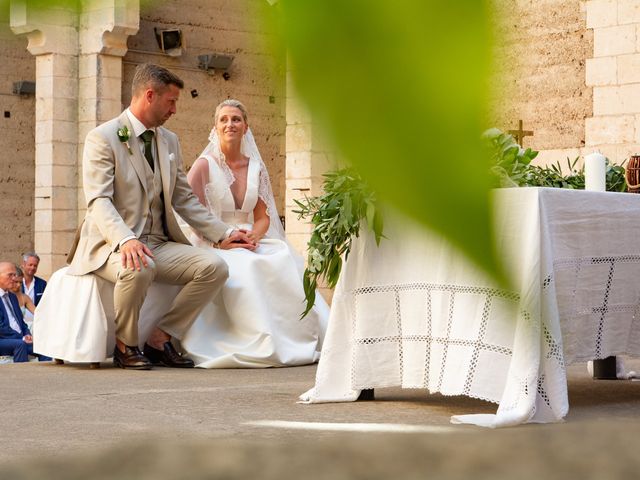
(255, 321)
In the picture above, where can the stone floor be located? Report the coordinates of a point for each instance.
(70, 422)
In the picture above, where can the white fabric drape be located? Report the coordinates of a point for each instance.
(74, 320)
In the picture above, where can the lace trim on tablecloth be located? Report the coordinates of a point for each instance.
(479, 344)
(604, 307)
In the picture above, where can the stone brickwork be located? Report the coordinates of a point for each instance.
(256, 74)
(540, 74)
(17, 144)
(614, 75)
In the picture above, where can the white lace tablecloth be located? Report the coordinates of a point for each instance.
(415, 313)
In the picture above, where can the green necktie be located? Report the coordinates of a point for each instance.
(147, 138)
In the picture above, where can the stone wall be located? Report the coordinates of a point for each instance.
(17, 144)
(540, 74)
(257, 76)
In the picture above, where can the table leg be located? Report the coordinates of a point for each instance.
(605, 369)
(366, 394)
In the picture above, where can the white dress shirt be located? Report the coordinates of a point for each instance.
(31, 292)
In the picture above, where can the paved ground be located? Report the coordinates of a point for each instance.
(71, 422)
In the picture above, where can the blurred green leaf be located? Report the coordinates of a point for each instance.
(400, 88)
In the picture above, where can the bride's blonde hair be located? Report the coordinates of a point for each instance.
(230, 102)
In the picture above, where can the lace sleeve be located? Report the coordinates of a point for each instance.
(265, 193)
(198, 178)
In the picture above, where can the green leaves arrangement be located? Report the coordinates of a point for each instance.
(616, 178)
(336, 217)
(510, 163)
(512, 167)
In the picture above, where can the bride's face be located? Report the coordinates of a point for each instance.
(230, 125)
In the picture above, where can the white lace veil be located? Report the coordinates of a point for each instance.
(215, 188)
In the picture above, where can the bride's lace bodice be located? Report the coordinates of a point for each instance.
(220, 199)
(217, 193)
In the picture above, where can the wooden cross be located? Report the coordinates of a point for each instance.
(520, 133)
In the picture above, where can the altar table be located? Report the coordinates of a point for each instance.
(415, 313)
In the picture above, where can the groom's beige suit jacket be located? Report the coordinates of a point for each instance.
(115, 189)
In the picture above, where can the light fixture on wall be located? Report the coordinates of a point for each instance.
(24, 88)
(215, 61)
(170, 41)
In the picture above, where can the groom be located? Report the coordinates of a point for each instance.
(133, 181)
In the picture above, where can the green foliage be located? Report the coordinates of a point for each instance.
(512, 167)
(336, 217)
(616, 178)
(400, 89)
(510, 163)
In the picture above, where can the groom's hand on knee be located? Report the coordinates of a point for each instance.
(134, 254)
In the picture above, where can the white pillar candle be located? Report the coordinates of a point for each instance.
(595, 172)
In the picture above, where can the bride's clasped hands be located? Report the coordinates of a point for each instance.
(240, 239)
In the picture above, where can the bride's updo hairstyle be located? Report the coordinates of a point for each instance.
(231, 103)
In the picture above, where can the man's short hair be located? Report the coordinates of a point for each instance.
(28, 255)
(154, 76)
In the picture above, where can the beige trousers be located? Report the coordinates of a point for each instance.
(201, 272)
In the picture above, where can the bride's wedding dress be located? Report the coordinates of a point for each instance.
(255, 321)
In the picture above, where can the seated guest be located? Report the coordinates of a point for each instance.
(31, 285)
(24, 301)
(15, 337)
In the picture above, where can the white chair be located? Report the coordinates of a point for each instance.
(74, 320)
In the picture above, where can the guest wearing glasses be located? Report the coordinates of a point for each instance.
(15, 337)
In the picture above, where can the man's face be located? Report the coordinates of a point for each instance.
(30, 266)
(162, 104)
(7, 277)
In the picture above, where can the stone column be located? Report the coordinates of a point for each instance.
(308, 157)
(614, 74)
(52, 36)
(78, 85)
(105, 26)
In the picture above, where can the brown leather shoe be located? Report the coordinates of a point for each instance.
(131, 359)
(168, 356)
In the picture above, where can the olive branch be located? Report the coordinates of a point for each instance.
(336, 217)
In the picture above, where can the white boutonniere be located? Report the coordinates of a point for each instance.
(123, 136)
(172, 157)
